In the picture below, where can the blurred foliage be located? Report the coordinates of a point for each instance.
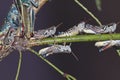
(98, 4)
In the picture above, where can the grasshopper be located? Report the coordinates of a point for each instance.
(107, 44)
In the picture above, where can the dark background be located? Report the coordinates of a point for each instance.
(92, 65)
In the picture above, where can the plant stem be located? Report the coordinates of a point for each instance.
(67, 76)
(19, 65)
(83, 7)
(77, 38)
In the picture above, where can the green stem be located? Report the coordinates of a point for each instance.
(77, 38)
(19, 65)
(67, 76)
(81, 5)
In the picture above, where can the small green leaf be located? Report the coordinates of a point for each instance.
(118, 51)
(98, 4)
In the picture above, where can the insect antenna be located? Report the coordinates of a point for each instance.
(56, 28)
(118, 23)
(73, 53)
(75, 56)
(59, 25)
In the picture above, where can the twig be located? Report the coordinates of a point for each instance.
(19, 65)
(81, 5)
(67, 76)
(77, 38)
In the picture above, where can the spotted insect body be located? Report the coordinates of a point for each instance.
(44, 33)
(90, 29)
(73, 31)
(40, 34)
(54, 49)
